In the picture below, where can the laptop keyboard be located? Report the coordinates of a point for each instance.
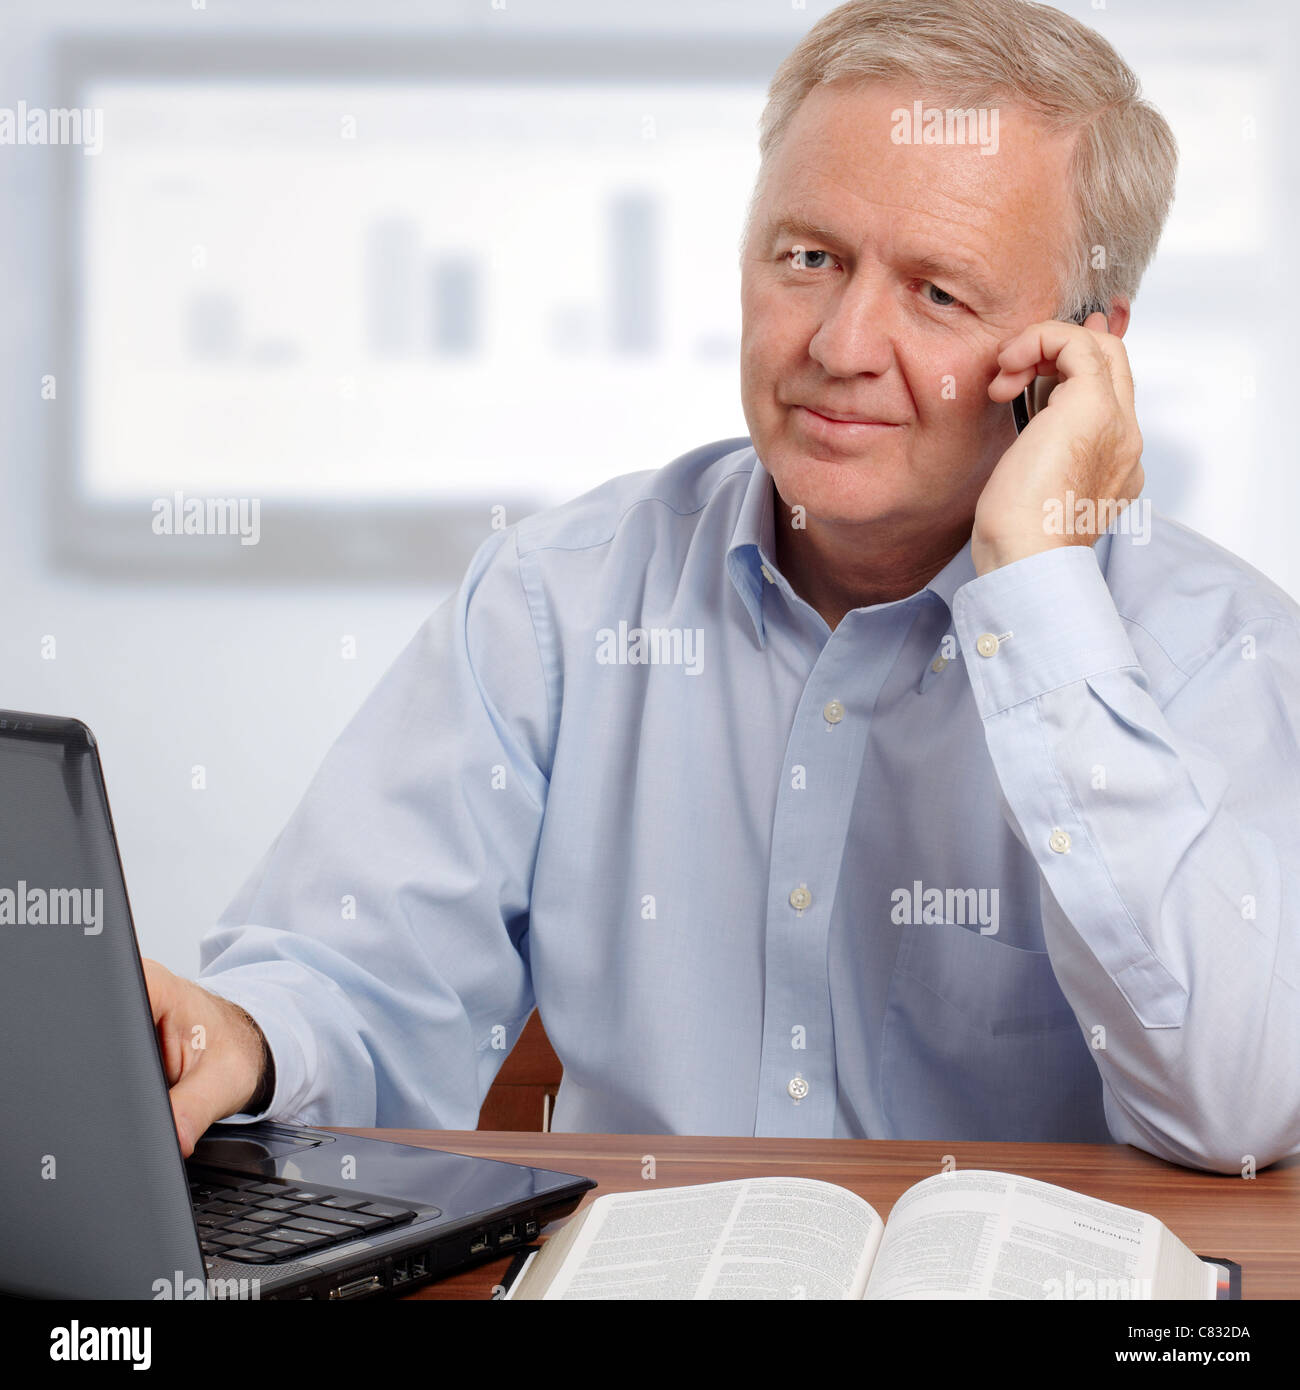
(261, 1222)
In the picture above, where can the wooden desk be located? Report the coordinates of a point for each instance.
(1253, 1221)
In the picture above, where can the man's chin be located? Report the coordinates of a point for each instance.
(841, 488)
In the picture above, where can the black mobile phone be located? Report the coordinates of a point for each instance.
(1025, 405)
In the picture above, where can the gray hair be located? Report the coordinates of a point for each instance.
(976, 53)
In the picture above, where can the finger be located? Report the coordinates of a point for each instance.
(1116, 359)
(161, 985)
(200, 1097)
(1121, 375)
(1052, 348)
(173, 1054)
(1039, 342)
(1007, 386)
(184, 1129)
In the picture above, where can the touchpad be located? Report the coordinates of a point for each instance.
(243, 1153)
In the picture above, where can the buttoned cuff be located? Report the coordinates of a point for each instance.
(1037, 624)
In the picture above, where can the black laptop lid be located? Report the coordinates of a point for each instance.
(93, 1195)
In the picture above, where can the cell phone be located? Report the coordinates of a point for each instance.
(1025, 404)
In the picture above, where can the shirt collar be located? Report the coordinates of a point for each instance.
(958, 571)
(753, 544)
(753, 541)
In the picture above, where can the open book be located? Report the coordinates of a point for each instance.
(963, 1234)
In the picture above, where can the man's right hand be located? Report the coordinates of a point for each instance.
(212, 1052)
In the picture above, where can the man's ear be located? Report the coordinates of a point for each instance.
(1118, 318)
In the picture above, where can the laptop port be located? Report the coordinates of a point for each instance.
(477, 1247)
(401, 1273)
(419, 1266)
(507, 1235)
(372, 1283)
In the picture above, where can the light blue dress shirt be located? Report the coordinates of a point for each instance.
(1012, 858)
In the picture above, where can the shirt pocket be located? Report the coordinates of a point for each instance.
(980, 1043)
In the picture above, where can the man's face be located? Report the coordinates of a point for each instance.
(925, 258)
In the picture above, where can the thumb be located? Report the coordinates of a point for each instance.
(198, 1098)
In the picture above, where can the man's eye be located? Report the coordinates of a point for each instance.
(946, 302)
(801, 258)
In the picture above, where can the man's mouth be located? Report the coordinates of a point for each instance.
(837, 426)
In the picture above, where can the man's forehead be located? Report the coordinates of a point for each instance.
(875, 118)
(840, 146)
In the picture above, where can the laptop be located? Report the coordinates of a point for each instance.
(95, 1198)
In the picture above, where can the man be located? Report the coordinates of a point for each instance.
(845, 780)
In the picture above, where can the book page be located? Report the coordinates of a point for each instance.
(1182, 1274)
(976, 1234)
(517, 1283)
(774, 1238)
(1217, 1274)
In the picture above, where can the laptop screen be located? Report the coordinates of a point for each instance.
(93, 1195)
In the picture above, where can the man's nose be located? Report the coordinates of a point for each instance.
(854, 335)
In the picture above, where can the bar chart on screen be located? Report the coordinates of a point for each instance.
(388, 290)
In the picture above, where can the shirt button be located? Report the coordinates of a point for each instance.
(800, 897)
(767, 574)
(986, 644)
(833, 712)
(1059, 841)
(798, 1087)
(938, 663)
